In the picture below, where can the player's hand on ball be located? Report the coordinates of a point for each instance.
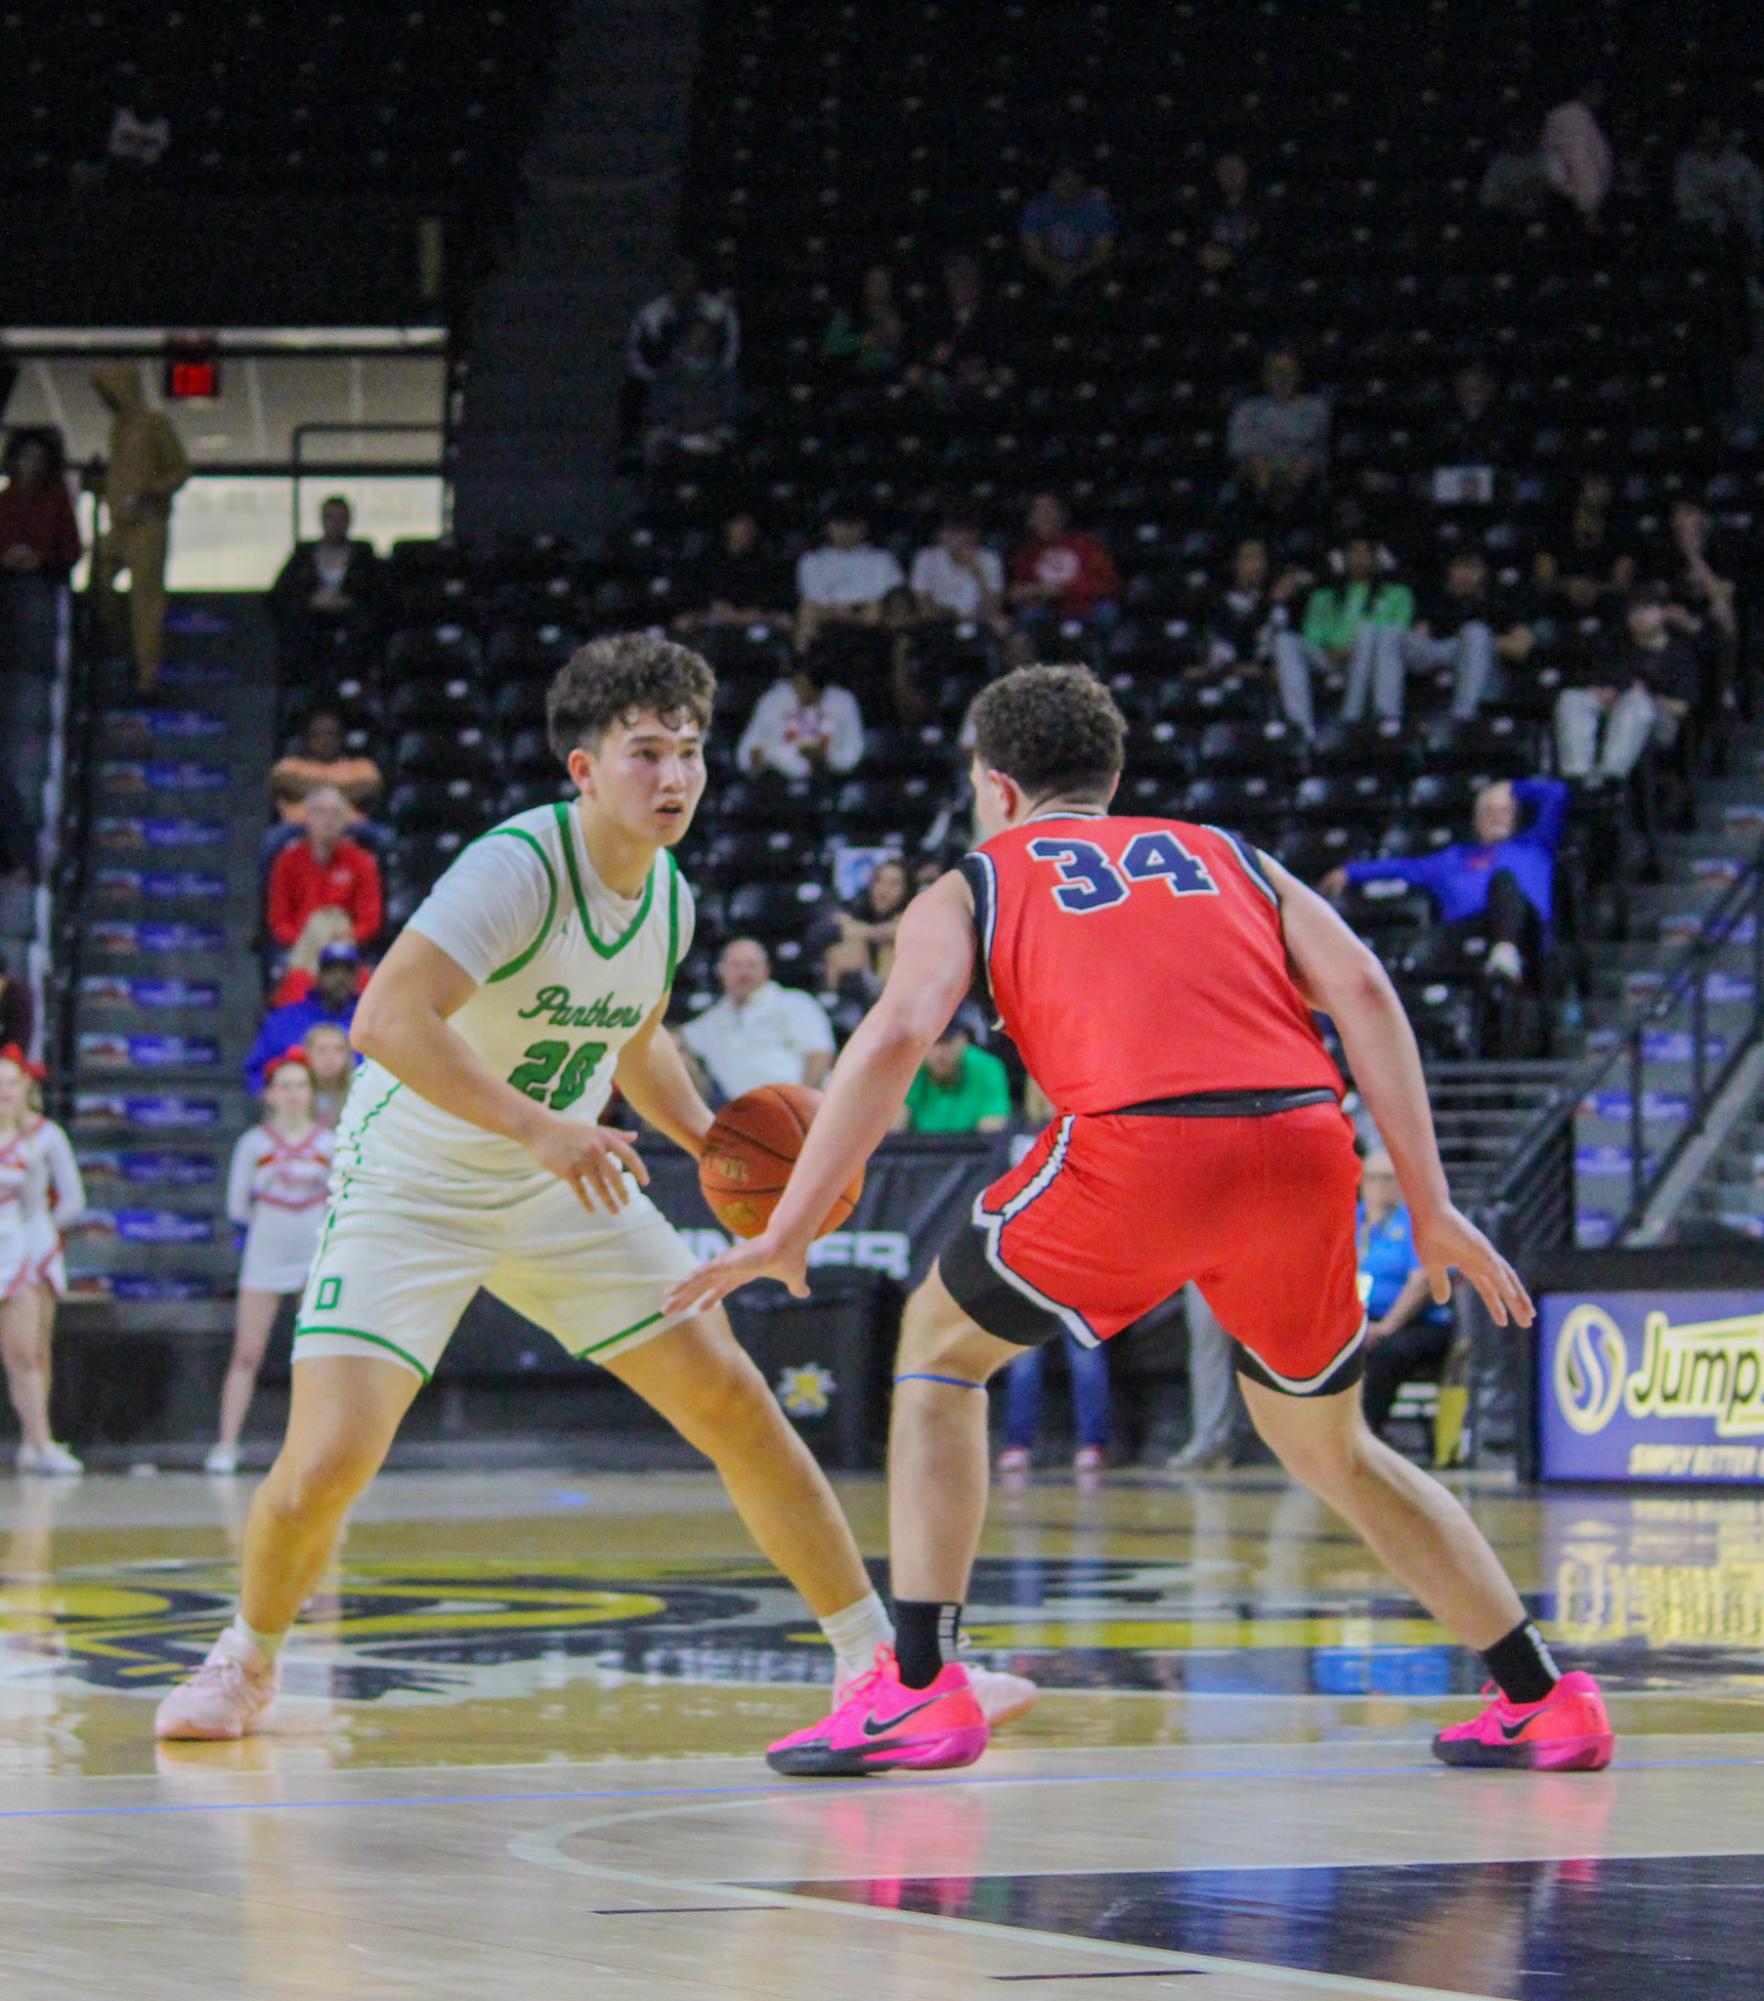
(764, 1256)
(1450, 1239)
(588, 1157)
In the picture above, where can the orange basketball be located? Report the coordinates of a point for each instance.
(748, 1155)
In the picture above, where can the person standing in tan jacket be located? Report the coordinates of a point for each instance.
(146, 467)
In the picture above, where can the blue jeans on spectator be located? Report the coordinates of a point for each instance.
(1023, 1381)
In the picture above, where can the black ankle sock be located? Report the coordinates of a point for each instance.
(1520, 1665)
(925, 1633)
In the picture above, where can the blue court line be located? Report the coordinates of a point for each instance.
(817, 1789)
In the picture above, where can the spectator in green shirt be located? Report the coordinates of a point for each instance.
(1357, 623)
(959, 1089)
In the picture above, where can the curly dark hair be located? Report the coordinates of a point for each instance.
(1056, 730)
(616, 679)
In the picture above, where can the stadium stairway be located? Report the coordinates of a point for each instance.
(1697, 868)
(537, 436)
(168, 994)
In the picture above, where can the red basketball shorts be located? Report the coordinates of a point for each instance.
(1108, 1215)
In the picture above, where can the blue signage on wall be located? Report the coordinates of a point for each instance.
(1651, 1386)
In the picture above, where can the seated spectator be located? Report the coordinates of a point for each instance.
(323, 869)
(693, 401)
(1638, 693)
(325, 580)
(1407, 1332)
(1472, 440)
(333, 1064)
(1278, 442)
(801, 727)
(329, 926)
(961, 347)
(332, 1000)
(868, 336)
(957, 576)
(862, 950)
(1718, 191)
(960, 1088)
(1068, 230)
(845, 580)
(657, 330)
(1586, 555)
(1499, 886)
(1087, 1368)
(1465, 626)
(1060, 572)
(1514, 182)
(1358, 623)
(323, 760)
(759, 1032)
(1232, 239)
(39, 536)
(738, 583)
(1577, 158)
(1688, 565)
(1243, 621)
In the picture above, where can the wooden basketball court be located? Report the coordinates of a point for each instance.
(519, 1754)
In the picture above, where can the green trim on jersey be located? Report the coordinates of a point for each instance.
(624, 1334)
(567, 833)
(521, 834)
(673, 922)
(376, 1340)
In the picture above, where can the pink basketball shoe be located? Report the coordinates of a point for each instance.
(881, 1725)
(1567, 1732)
(226, 1696)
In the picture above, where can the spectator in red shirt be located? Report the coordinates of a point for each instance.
(324, 871)
(38, 534)
(1061, 573)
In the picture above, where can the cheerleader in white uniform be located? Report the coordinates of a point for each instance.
(54, 1197)
(276, 1192)
(20, 1338)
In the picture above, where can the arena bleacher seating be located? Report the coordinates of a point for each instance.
(827, 138)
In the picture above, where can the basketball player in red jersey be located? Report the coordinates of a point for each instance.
(1159, 979)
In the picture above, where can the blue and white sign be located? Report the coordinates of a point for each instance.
(168, 725)
(162, 885)
(162, 1112)
(1651, 1386)
(129, 834)
(111, 990)
(150, 1052)
(136, 1166)
(124, 939)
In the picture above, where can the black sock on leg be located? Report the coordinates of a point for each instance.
(925, 1637)
(1520, 1665)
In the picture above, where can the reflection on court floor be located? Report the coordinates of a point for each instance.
(523, 1719)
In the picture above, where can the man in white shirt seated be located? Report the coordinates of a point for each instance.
(845, 580)
(957, 576)
(759, 1032)
(802, 727)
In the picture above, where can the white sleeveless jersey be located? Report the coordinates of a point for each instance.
(584, 971)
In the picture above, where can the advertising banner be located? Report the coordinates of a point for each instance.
(1651, 1385)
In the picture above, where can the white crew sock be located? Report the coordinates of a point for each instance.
(267, 1644)
(857, 1632)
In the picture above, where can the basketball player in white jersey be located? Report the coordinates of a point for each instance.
(276, 1194)
(54, 1198)
(21, 1345)
(470, 1154)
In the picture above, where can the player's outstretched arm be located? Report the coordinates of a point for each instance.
(1342, 979)
(401, 1021)
(933, 967)
(653, 1076)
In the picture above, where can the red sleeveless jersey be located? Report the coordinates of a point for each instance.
(1132, 959)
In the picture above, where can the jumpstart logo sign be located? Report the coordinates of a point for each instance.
(1651, 1386)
